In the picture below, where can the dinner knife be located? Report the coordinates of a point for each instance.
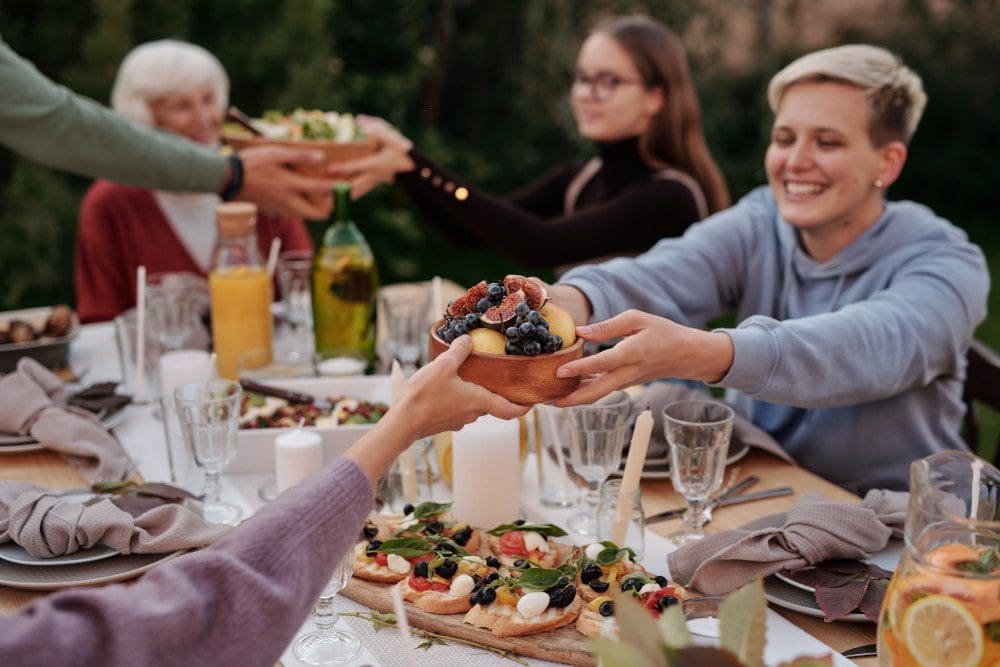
(294, 397)
(725, 502)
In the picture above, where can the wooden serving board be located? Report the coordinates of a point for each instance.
(564, 644)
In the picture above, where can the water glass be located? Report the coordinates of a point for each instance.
(325, 645)
(608, 509)
(294, 272)
(143, 382)
(698, 434)
(174, 303)
(406, 325)
(209, 419)
(597, 436)
(555, 487)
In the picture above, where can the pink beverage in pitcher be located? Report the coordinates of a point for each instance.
(943, 603)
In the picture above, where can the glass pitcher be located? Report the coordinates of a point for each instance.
(943, 603)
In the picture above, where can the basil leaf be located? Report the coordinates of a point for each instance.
(993, 630)
(987, 562)
(547, 529)
(613, 554)
(429, 509)
(407, 547)
(539, 578)
(438, 540)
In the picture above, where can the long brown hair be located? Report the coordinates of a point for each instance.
(674, 137)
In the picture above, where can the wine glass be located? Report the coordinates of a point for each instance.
(294, 271)
(698, 433)
(209, 416)
(173, 302)
(325, 645)
(406, 325)
(597, 434)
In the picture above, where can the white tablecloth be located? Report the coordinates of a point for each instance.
(142, 435)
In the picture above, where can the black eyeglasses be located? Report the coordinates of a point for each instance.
(602, 85)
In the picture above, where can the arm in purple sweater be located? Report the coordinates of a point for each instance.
(239, 602)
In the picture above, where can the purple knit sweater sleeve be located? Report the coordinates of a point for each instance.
(239, 602)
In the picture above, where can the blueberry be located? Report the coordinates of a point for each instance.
(441, 332)
(527, 329)
(459, 328)
(557, 339)
(420, 569)
(512, 333)
(549, 346)
(487, 595)
(446, 569)
(661, 581)
(607, 608)
(599, 586)
(666, 601)
(534, 317)
(511, 348)
(471, 321)
(370, 531)
(408, 508)
(519, 522)
(372, 548)
(492, 561)
(590, 572)
(483, 305)
(434, 527)
(463, 536)
(491, 577)
(495, 292)
(448, 336)
(532, 348)
(521, 309)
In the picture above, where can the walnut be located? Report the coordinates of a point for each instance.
(59, 322)
(20, 332)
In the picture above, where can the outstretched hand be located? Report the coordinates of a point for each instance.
(271, 182)
(391, 158)
(651, 348)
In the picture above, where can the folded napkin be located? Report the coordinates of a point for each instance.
(34, 403)
(661, 394)
(47, 525)
(814, 530)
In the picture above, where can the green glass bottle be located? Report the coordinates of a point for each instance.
(344, 287)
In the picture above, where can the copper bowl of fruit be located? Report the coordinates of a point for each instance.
(518, 340)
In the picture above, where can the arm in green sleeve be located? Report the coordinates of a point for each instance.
(53, 126)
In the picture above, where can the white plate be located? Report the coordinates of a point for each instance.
(12, 444)
(661, 470)
(790, 594)
(81, 574)
(15, 553)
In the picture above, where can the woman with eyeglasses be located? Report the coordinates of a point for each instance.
(652, 177)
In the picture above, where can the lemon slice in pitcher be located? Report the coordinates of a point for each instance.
(939, 630)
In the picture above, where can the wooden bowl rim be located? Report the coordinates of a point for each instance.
(307, 143)
(516, 358)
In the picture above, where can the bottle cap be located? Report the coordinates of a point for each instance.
(236, 217)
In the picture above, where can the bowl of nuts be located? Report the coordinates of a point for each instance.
(44, 334)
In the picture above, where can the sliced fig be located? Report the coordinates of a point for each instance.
(466, 304)
(535, 293)
(499, 316)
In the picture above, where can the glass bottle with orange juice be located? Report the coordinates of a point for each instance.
(239, 289)
(943, 603)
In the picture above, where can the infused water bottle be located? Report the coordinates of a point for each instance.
(239, 289)
(344, 288)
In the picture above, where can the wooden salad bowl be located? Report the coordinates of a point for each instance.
(522, 380)
(332, 150)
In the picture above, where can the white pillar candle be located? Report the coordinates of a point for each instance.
(486, 472)
(340, 366)
(182, 367)
(297, 454)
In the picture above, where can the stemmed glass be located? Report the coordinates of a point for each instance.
(597, 434)
(406, 325)
(698, 433)
(209, 416)
(325, 645)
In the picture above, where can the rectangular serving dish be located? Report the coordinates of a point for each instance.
(255, 447)
(49, 352)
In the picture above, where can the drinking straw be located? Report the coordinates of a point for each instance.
(140, 333)
(403, 624)
(407, 462)
(560, 459)
(272, 257)
(633, 471)
(977, 469)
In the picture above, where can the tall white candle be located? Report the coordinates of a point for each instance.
(140, 333)
(407, 460)
(297, 454)
(179, 367)
(486, 472)
(633, 472)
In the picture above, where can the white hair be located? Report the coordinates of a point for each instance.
(895, 92)
(165, 67)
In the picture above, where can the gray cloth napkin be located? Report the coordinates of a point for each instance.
(814, 530)
(46, 525)
(660, 394)
(34, 403)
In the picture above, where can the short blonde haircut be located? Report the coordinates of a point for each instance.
(165, 67)
(894, 91)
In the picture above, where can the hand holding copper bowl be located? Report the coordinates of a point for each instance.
(519, 379)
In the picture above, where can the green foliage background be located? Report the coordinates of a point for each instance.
(481, 87)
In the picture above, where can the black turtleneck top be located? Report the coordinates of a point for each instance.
(622, 210)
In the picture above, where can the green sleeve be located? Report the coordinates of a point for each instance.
(52, 125)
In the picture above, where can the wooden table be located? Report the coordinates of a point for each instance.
(48, 469)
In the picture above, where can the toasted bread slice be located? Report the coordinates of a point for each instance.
(435, 602)
(549, 559)
(506, 621)
(372, 571)
(592, 624)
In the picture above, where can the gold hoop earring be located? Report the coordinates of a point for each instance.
(879, 183)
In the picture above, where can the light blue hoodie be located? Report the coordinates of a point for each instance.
(855, 365)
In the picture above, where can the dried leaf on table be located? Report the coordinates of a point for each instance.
(871, 603)
(839, 601)
(845, 586)
(136, 505)
(161, 490)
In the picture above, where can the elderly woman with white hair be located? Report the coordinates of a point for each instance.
(854, 312)
(181, 88)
